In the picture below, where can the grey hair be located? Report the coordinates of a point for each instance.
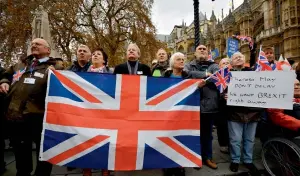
(237, 53)
(84, 46)
(175, 55)
(138, 49)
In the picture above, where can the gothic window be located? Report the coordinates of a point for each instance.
(277, 13)
(286, 17)
(293, 12)
(293, 15)
(286, 14)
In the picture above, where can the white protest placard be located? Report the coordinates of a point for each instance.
(266, 89)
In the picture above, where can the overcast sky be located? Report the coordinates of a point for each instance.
(167, 13)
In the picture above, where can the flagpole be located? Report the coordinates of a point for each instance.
(259, 51)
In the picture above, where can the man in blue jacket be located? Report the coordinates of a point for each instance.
(82, 63)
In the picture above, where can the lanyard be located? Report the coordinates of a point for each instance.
(135, 68)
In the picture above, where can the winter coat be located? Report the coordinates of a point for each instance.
(141, 70)
(159, 68)
(241, 113)
(28, 97)
(75, 67)
(289, 119)
(209, 93)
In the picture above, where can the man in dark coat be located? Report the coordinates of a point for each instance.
(25, 84)
(82, 63)
(209, 101)
(162, 63)
(132, 65)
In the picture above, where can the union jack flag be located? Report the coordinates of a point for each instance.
(18, 74)
(221, 79)
(245, 38)
(263, 63)
(121, 122)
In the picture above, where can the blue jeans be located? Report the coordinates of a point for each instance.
(241, 133)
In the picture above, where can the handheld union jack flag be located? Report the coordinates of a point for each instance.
(221, 79)
(262, 62)
(121, 122)
(18, 74)
(247, 39)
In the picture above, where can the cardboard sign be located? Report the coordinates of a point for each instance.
(267, 89)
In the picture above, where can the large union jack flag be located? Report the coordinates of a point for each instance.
(121, 122)
(221, 79)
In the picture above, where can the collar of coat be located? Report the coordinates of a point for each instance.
(48, 60)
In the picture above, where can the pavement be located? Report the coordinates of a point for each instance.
(223, 161)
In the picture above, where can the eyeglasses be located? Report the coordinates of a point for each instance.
(201, 48)
(38, 44)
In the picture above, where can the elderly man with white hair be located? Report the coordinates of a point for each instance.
(242, 125)
(132, 65)
(25, 85)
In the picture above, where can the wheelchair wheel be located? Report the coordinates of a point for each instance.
(281, 157)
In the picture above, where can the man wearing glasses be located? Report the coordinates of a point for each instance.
(209, 101)
(25, 85)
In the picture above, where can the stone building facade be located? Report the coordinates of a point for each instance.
(271, 23)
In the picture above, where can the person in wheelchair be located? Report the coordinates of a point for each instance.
(288, 121)
(280, 139)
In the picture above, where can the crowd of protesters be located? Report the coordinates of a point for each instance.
(23, 91)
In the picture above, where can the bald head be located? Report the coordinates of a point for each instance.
(201, 53)
(40, 48)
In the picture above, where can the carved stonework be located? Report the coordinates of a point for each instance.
(41, 29)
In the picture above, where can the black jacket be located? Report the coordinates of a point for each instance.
(298, 75)
(142, 69)
(75, 67)
(241, 113)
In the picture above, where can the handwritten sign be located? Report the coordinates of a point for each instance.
(232, 46)
(267, 89)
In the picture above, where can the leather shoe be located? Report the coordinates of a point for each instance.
(211, 164)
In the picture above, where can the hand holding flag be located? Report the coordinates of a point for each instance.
(221, 79)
